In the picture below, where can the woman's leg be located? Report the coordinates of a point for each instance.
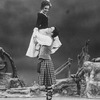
(49, 93)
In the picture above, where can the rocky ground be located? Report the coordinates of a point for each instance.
(43, 98)
(13, 88)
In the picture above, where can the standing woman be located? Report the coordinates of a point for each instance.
(46, 69)
(45, 66)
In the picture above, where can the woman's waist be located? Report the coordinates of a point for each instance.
(44, 57)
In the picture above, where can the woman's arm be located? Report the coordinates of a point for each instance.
(39, 20)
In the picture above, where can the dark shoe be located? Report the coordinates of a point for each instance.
(48, 98)
(49, 95)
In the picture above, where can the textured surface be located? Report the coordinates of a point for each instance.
(43, 98)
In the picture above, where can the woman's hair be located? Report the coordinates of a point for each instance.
(45, 3)
(55, 33)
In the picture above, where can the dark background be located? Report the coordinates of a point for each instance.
(76, 20)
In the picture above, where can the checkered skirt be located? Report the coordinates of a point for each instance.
(47, 76)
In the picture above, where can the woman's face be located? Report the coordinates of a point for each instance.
(46, 9)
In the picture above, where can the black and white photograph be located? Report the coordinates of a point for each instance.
(49, 49)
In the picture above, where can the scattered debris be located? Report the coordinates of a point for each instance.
(85, 83)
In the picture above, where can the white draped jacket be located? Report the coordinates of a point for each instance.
(42, 39)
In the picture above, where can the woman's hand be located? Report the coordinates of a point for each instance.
(35, 40)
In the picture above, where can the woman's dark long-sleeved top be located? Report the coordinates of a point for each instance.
(42, 21)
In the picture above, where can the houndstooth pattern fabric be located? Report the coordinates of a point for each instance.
(47, 76)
